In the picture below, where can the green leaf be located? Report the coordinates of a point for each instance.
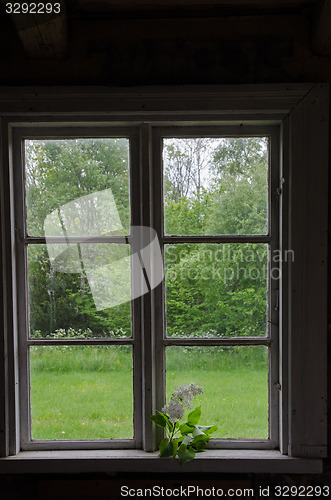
(168, 423)
(166, 448)
(194, 417)
(201, 437)
(199, 447)
(197, 431)
(175, 447)
(208, 429)
(199, 443)
(187, 440)
(185, 428)
(159, 420)
(185, 454)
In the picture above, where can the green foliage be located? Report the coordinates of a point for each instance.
(69, 389)
(159, 419)
(216, 290)
(211, 186)
(186, 439)
(166, 448)
(206, 358)
(193, 437)
(69, 358)
(185, 454)
(194, 417)
(57, 172)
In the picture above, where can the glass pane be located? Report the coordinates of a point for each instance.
(81, 392)
(77, 187)
(235, 383)
(215, 186)
(79, 290)
(216, 290)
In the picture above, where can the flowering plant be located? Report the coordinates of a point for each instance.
(183, 439)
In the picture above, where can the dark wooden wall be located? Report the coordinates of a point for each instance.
(127, 52)
(167, 50)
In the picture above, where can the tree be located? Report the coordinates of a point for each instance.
(57, 172)
(211, 289)
(211, 186)
(240, 187)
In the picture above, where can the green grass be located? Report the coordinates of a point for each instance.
(86, 392)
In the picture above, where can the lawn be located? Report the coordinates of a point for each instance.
(86, 392)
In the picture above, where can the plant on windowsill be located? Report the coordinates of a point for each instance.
(184, 439)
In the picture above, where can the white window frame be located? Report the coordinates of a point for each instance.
(300, 112)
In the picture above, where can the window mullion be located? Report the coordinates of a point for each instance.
(159, 291)
(20, 327)
(283, 292)
(273, 288)
(149, 386)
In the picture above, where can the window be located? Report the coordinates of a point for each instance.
(157, 250)
(79, 338)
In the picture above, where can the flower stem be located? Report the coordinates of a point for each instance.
(173, 431)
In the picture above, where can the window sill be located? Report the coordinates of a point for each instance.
(72, 461)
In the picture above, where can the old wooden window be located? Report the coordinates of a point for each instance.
(77, 217)
(213, 309)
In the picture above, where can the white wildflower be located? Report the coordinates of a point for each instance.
(173, 409)
(186, 393)
(195, 389)
(182, 397)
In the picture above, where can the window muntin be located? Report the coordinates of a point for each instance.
(141, 425)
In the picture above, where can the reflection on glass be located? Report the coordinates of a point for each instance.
(235, 383)
(88, 216)
(77, 187)
(81, 392)
(80, 290)
(216, 290)
(215, 185)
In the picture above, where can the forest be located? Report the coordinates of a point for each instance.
(211, 186)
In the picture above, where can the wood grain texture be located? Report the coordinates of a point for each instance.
(44, 36)
(307, 275)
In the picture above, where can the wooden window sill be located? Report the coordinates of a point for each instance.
(72, 461)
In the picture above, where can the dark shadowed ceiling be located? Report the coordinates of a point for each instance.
(47, 36)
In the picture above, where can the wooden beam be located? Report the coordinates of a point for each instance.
(321, 32)
(44, 36)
